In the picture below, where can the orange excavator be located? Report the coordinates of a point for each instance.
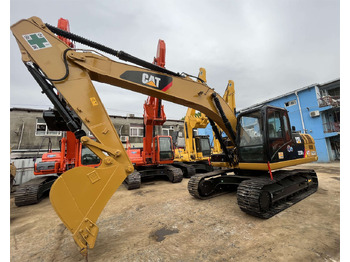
(72, 154)
(156, 158)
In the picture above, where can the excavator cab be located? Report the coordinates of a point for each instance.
(164, 152)
(203, 146)
(264, 135)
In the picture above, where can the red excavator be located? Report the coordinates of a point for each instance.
(156, 158)
(72, 154)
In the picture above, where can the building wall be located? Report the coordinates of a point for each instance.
(27, 147)
(25, 143)
(22, 131)
(308, 100)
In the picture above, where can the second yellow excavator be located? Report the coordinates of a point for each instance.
(262, 142)
(197, 149)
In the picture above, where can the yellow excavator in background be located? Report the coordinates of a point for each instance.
(197, 148)
(262, 142)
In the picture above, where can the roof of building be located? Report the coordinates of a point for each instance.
(26, 109)
(131, 116)
(330, 84)
(290, 93)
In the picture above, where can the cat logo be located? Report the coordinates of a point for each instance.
(153, 80)
(150, 80)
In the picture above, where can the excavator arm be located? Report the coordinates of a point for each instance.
(153, 109)
(80, 194)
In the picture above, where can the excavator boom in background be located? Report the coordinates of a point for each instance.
(261, 138)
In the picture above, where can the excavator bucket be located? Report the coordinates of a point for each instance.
(79, 196)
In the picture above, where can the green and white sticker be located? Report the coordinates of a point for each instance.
(37, 41)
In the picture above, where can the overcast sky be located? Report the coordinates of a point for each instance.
(266, 47)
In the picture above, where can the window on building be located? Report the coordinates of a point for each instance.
(136, 131)
(42, 130)
(166, 131)
(291, 103)
(334, 92)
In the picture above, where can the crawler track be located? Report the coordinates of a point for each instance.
(201, 187)
(187, 169)
(264, 198)
(133, 181)
(174, 174)
(32, 191)
(257, 195)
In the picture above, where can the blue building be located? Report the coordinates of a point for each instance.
(314, 110)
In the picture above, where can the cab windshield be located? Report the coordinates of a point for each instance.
(251, 140)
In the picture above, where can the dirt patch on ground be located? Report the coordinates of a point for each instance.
(133, 223)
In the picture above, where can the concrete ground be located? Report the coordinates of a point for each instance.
(161, 221)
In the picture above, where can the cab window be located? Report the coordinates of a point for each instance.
(286, 126)
(250, 133)
(165, 148)
(274, 125)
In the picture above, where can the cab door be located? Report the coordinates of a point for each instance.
(280, 145)
(164, 149)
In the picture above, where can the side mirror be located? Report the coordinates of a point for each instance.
(293, 128)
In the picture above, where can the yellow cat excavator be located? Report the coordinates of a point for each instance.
(197, 148)
(261, 138)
